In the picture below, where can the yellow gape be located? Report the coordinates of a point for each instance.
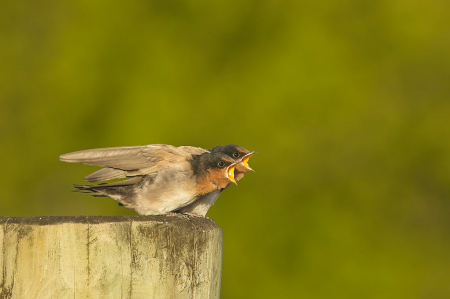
(245, 160)
(230, 173)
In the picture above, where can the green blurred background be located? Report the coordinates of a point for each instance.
(347, 104)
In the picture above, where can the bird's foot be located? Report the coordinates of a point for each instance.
(195, 215)
(179, 215)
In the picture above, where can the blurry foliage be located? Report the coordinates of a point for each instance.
(347, 104)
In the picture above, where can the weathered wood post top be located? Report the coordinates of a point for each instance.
(109, 257)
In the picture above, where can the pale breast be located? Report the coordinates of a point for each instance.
(173, 188)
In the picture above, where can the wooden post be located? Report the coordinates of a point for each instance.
(109, 257)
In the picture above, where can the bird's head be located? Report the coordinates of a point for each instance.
(237, 153)
(218, 168)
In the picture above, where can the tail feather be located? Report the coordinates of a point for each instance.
(121, 191)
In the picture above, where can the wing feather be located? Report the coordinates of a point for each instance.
(129, 157)
(128, 182)
(105, 174)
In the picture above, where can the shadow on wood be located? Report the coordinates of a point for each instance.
(109, 257)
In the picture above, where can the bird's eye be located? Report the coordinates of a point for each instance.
(236, 154)
(221, 164)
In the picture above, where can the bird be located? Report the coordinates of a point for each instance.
(161, 178)
(108, 173)
(201, 206)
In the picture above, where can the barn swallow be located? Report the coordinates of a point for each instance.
(201, 206)
(163, 179)
(146, 158)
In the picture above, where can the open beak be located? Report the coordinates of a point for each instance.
(245, 160)
(230, 172)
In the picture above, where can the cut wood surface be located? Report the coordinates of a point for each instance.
(109, 257)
